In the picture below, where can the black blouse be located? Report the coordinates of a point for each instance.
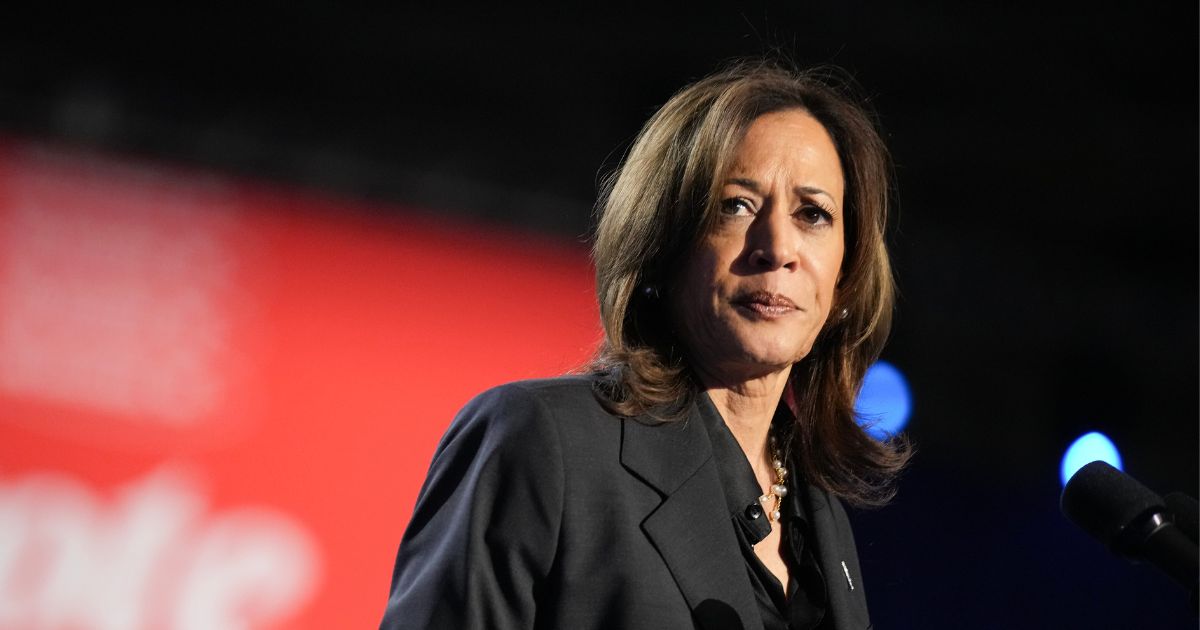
(804, 605)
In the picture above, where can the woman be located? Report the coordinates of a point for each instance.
(693, 478)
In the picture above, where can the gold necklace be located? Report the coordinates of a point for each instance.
(773, 499)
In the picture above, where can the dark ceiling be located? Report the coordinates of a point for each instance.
(1046, 160)
(511, 114)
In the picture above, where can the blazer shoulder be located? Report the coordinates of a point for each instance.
(484, 531)
(560, 396)
(527, 409)
(574, 387)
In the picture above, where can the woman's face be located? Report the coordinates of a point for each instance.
(753, 294)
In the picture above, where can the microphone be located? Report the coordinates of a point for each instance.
(1186, 511)
(1130, 520)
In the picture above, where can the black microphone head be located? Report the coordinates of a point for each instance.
(1186, 513)
(1104, 502)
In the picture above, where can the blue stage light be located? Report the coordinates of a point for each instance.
(1086, 449)
(884, 402)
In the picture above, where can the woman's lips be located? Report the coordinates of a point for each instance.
(766, 304)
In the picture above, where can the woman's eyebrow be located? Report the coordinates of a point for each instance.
(749, 184)
(799, 191)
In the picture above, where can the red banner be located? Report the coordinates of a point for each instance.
(218, 400)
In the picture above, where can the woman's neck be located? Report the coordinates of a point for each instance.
(748, 407)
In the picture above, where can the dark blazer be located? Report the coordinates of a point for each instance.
(543, 510)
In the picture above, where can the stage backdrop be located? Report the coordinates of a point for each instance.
(218, 399)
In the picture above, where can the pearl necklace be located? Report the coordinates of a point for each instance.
(773, 499)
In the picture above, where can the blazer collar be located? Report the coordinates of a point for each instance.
(691, 528)
(665, 454)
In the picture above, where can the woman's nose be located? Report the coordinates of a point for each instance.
(773, 242)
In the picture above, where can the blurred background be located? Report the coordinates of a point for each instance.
(252, 262)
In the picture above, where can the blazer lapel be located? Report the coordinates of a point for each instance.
(691, 529)
(838, 557)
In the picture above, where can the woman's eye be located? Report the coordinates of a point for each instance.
(737, 206)
(815, 215)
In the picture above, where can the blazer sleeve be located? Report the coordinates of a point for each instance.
(483, 534)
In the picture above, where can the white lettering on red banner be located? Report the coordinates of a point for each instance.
(151, 558)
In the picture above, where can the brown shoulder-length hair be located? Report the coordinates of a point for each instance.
(663, 199)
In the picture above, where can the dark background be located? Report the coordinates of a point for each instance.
(1046, 248)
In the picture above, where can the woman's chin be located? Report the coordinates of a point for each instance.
(754, 365)
(774, 355)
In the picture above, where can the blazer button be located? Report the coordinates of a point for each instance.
(754, 511)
